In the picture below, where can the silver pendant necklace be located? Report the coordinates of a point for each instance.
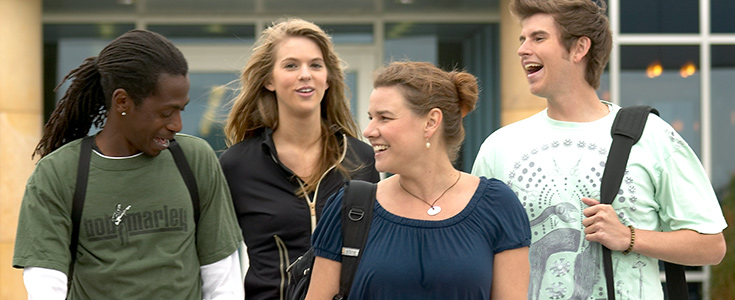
(433, 208)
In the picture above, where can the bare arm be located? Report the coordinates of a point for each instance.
(686, 247)
(510, 274)
(324, 279)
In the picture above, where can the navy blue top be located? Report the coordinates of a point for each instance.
(420, 259)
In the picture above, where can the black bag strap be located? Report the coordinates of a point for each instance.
(626, 131)
(80, 191)
(357, 214)
(185, 170)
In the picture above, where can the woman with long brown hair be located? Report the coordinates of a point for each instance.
(293, 143)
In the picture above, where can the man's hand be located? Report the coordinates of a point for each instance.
(602, 226)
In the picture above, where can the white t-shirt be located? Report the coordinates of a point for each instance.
(552, 165)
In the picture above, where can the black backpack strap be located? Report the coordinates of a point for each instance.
(77, 204)
(357, 213)
(185, 170)
(626, 131)
(676, 281)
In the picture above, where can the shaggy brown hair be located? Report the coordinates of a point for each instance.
(575, 19)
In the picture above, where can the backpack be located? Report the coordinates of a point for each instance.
(357, 213)
(626, 131)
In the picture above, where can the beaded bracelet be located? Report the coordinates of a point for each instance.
(632, 240)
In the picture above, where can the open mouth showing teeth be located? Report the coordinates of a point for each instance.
(379, 148)
(307, 90)
(533, 68)
(163, 142)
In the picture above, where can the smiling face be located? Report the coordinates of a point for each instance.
(299, 77)
(543, 56)
(149, 126)
(394, 131)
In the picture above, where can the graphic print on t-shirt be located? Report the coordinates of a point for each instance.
(123, 223)
(551, 181)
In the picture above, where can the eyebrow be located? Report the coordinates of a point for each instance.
(175, 106)
(533, 34)
(288, 59)
(383, 112)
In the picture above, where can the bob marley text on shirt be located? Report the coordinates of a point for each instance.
(124, 221)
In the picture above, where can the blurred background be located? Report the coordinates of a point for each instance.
(678, 56)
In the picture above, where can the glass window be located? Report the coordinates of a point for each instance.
(659, 16)
(349, 33)
(440, 44)
(222, 7)
(53, 33)
(723, 116)
(207, 110)
(235, 33)
(351, 82)
(667, 78)
(440, 6)
(603, 92)
(88, 6)
(319, 6)
(720, 14)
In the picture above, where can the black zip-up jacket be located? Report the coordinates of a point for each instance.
(275, 223)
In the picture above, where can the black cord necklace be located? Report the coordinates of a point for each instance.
(433, 209)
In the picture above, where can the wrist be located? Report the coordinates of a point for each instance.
(632, 240)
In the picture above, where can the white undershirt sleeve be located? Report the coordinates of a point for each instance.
(223, 279)
(44, 284)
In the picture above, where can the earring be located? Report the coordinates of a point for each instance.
(428, 145)
(123, 113)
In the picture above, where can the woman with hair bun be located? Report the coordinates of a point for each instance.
(436, 232)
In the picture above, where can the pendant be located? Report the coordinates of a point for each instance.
(434, 210)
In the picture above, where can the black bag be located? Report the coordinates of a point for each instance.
(357, 212)
(626, 131)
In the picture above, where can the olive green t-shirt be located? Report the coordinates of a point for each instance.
(137, 237)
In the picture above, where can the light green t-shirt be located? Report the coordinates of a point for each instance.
(137, 237)
(552, 165)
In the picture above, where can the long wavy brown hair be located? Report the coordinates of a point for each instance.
(255, 107)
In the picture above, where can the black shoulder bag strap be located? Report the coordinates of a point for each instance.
(81, 189)
(626, 131)
(185, 170)
(77, 205)
(357, 213)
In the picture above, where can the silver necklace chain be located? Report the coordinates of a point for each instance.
(437, 199)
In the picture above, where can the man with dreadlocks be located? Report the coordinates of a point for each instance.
(137, 238)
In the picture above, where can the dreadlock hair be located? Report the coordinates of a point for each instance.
(133, 62)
